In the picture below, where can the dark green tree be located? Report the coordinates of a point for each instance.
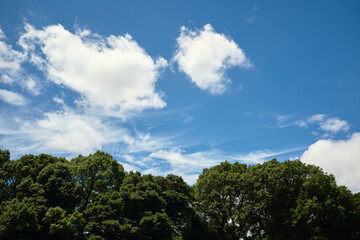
(91, 197)
(288, 200)
(19, 219)
(223, 196)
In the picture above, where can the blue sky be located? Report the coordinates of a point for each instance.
(177, 86)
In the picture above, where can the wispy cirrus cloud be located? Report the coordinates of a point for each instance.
(261, 156)
(178, 161)
(190, 165)
(12, 98)
(328, 125)
(252, 18)
(204, 55)
(61, 132)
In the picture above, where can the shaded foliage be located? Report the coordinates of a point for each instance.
(273, 200)
(92, 197)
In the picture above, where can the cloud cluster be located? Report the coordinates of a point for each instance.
(331, 125)
(340, 158)
(113, 72)
(10, 61)
(11, 70)
(204, 55)
(113, 75)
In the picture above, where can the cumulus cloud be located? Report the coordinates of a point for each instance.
(204, 55)
(334, 125)
(12, 98)
(113, 73)
(340, 158)
(331, 125)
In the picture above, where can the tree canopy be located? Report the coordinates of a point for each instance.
(92, 197)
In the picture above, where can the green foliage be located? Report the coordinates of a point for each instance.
(61, 225)
(288, 200)
(19, 219)
(91, 197)
(221, 193)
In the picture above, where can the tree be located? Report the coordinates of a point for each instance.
(5, 190)
(91, 197)
(223, 196)
(61, 225)
(19, 219)
(288, 200)
(96, 173)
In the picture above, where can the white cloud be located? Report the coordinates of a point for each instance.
(4, 78)
(59, 100)
(190, 165)
(282, 121)
(60, 133)
(340, 158)
(189, 178)
(187, 165)
(145, 142)
(32, 85)
(251, 19)
(204, 55)
(187, 118)
(12, 98)
(334, 125)
(2, 34)
(71, 133)
(301, 123)
(330, 125)
(113, 72)
(316, 118)
(11, 70)
(10, 60)
(131, 159)
(179, 159)
(129, 167)
(261, 156)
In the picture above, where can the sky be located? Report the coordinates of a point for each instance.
(178, 86)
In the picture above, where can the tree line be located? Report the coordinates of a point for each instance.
(92, 197)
